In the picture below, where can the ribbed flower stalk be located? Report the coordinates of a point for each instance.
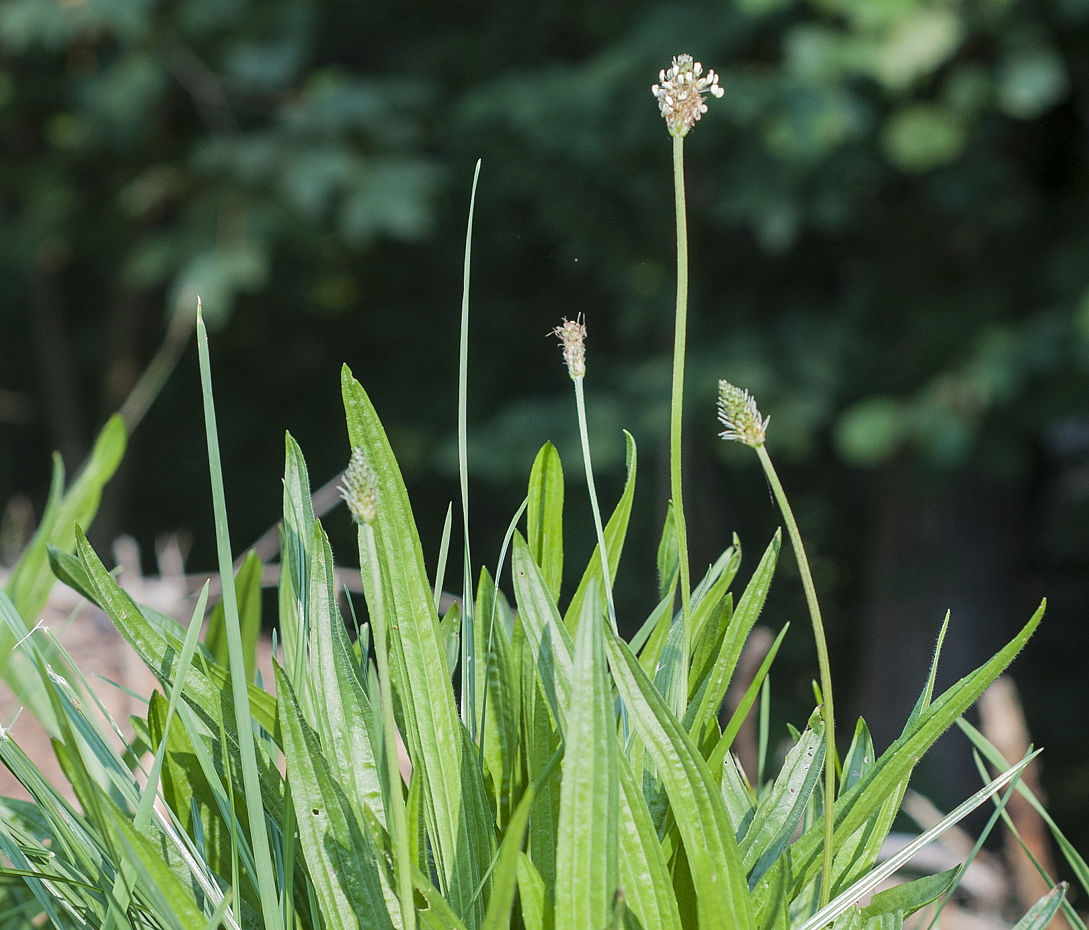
(680, 99)
(572, 336)
(740, 417)
(360, 493)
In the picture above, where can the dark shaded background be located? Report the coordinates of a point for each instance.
(889, 222)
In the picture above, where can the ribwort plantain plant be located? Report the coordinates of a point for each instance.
(582, 780)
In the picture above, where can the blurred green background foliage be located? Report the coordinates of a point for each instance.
(889, 223)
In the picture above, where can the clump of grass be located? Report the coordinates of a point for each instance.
(582, 781)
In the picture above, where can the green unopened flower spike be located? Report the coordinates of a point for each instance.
(572, 333)
(738, 413)
(680, 93)
(360, 487)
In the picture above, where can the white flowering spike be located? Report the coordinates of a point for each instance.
(572, 333)
(680, 93)
(360, 488)
(738, 413)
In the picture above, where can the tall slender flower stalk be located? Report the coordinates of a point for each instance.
(680, 99)
(738, 413)
(572, 335)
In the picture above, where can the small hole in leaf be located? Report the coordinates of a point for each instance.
(315, 811)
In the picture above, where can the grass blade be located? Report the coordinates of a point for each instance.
(468, 647)
(855, 806)
(846, 899)
(1077, 863)
(266, 877)
(248, 585)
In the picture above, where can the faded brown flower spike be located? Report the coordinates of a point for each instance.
(572, 333)
(680, 91)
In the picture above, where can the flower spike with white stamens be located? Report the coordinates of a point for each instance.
(572, 333)
(680, 93)
(737, 411)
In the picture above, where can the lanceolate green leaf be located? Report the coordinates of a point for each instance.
(854, 806)
(780, 810)
(643, 868)
(586, 854)
(271, 912)
(615, 532)
(708, 594)
(722, 896)
(189, 795)
(708, 640)
(710, 695)
(161, 653)
(1040, 914)
(668, 558)
(709, 599)
(547, 636)
(644, 872)
(542, 742)
(297, 540)
(649, 640)
(497, 681)
(433, 730)
(340, 701)
(338, 854)
(437, 915)
(729, 733)
(669, 675)
(904, 900)
(30, 580)
(535, 905)
(505, 875)
(544, 517)
(150, 861)
(857, 853)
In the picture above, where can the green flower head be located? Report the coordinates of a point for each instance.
(738, 413)
(360, 488)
